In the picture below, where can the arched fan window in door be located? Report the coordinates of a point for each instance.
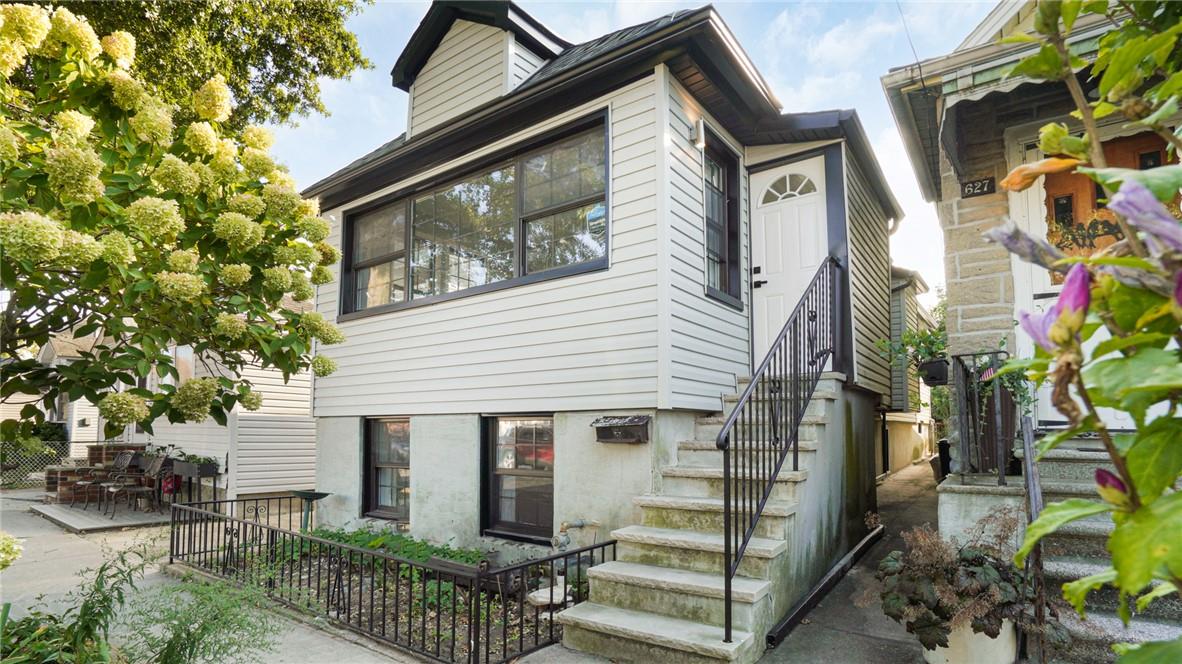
(788, 186)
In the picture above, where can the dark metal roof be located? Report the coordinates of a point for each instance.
(530, 32)
(587, 51)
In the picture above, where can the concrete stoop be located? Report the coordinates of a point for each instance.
(1078, 550)
(662, 599)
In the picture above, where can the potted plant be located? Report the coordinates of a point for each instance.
(925, 350)
(963, 603)
(192, 465)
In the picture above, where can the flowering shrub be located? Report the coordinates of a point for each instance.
(119, 223)
(1132, 289)
(10, 550)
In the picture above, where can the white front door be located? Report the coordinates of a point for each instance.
(788, 245)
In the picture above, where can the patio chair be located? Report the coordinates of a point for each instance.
(92, 479)
(131, 485)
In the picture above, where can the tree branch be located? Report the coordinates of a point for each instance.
(1109, 445)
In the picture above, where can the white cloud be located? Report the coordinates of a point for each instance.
(850, 42)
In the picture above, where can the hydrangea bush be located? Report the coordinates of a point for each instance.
(1132, 290)
(119, 224)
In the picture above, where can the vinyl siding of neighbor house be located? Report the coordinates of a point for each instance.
(276, 445)
(708, 339)
(904, 381)
(522, 63)
(870, 280)
(467, 69)
(573, 343)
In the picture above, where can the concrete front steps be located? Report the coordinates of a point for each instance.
(1078, 550)
(662, 599)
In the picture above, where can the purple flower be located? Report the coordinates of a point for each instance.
(1059, 325)
(1177, 300)
(1148, 215)
(1026, 247)
(1111, 488)
(1038, 326)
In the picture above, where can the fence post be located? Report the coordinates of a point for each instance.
(270, 558)
(474, 617)
(171, 533)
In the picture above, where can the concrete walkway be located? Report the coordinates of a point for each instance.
(837, 631)
(53, 557)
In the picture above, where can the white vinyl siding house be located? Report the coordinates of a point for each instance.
(522, 62)
(465, 71)
(870, 276)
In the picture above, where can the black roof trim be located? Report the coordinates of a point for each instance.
(499, 13)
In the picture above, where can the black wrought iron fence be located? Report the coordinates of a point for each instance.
(437, 609)
(986, 414)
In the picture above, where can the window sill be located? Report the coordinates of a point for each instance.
(725, 298)
(524, 280)
(388, 516)
(516, 537)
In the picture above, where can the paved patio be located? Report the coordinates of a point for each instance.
(93, 520)
(52, 558)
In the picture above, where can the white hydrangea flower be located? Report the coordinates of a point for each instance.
(120, 47)
(329, 254)
(27, 25)
(323, 365)
(174, 175)
(153, 122)
(251, 400)
(10, 143)
(182, 260)
(235, 274)
(180, 286)
(156, 218)
(248, 204)
(73, 126)
(229, 325)
(276, 279)
(282, 202)
(313, 229)
(123, 408)
(117, 249)
(321, 275)
(201, 138)
(282, 178)
(30, 236)
(256, 163)
(209, 179)
(212, 100)
(75, 33)
(79, 250)
(296, 253)
(237, 231)
(313, 323)
(126, 92)
(301, 288)
(258, 137)
(12, 56)
(194, 397)
(73, 172)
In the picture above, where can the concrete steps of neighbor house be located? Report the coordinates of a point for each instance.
(1058, 570)
(678, 593)
(706, 453)
(1092, 638)
(694, 551)
(1081, 539)
(1067, 464)
(697, 481)
(705, 514)
(626, 635)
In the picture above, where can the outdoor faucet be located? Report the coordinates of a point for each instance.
(562, 540)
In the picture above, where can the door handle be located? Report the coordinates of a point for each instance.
(757, 269)
(758, 282)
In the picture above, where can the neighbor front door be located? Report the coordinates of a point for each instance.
(788, 245)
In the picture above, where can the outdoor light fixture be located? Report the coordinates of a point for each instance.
(699, 134)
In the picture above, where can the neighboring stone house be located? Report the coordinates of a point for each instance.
(621, 227)
(965, 125)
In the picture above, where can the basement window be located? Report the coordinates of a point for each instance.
(387, 468)
(519, 489)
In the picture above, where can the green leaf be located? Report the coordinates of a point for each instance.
(1163, 181)
(1150, 538)
(1053, 516)
(1122, 382)
(1155, 459)
(1019, 38)
(1076, 592)
(1155, 339)
(1162, 114)
(1069, 11)
(1153, 652)
(1045, 64)
(1159, 591)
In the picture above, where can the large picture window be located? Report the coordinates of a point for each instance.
(520, 486)
(540, 213)
(387, 471)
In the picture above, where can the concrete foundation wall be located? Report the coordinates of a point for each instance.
(593, 481)
(962, 507)
(830, 517)
(907, 444)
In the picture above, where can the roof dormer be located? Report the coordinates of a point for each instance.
(465, 54)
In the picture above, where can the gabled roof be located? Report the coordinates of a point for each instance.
(498, 13)
(998, 23)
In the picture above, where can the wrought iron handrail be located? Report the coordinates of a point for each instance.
(765, 423)
(985, 414)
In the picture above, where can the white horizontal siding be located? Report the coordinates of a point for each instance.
(522, 64)
(709, 340)
(583, 342)
(870, 280)
(206, 438)
(275, 448)
(466, 70)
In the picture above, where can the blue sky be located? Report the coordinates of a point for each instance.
(815, 55)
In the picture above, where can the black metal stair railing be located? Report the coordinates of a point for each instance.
(764, 427)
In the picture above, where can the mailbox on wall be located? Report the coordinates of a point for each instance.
(622, 429)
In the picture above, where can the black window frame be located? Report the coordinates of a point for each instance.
(369, 469)
(490, 524)
(517, 153)
(720, 153)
